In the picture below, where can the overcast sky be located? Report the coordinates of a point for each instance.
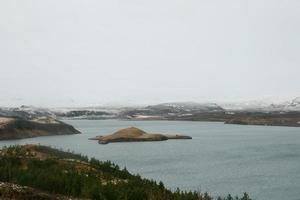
(66, 53)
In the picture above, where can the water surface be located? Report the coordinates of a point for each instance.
(262, 161)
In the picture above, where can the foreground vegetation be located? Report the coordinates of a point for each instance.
(64, 173)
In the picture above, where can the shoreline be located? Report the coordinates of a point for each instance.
(183, 120)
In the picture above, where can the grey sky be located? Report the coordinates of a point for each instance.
(60, 53)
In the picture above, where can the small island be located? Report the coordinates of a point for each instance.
(133, 134)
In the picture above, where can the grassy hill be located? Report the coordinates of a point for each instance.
(57, 174)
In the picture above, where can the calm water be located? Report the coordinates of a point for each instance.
(221, 159)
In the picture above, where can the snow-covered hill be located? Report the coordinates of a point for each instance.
(266, 105)
(163, 109)
(293, 105)
(187, 107)
(26, 112)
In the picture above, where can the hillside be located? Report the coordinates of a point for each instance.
(291, 119)
(11, 191)
(170, 110)
(18, 128)
(54, 172)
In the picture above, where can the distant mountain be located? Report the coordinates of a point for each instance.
(85, 114)
(30, 112)
(170, 110)
(160, 110)
(268, 105)
(26, 112)
(255, 105)
(293, 105)
(187, 107)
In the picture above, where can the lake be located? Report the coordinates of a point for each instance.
(263, 161)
